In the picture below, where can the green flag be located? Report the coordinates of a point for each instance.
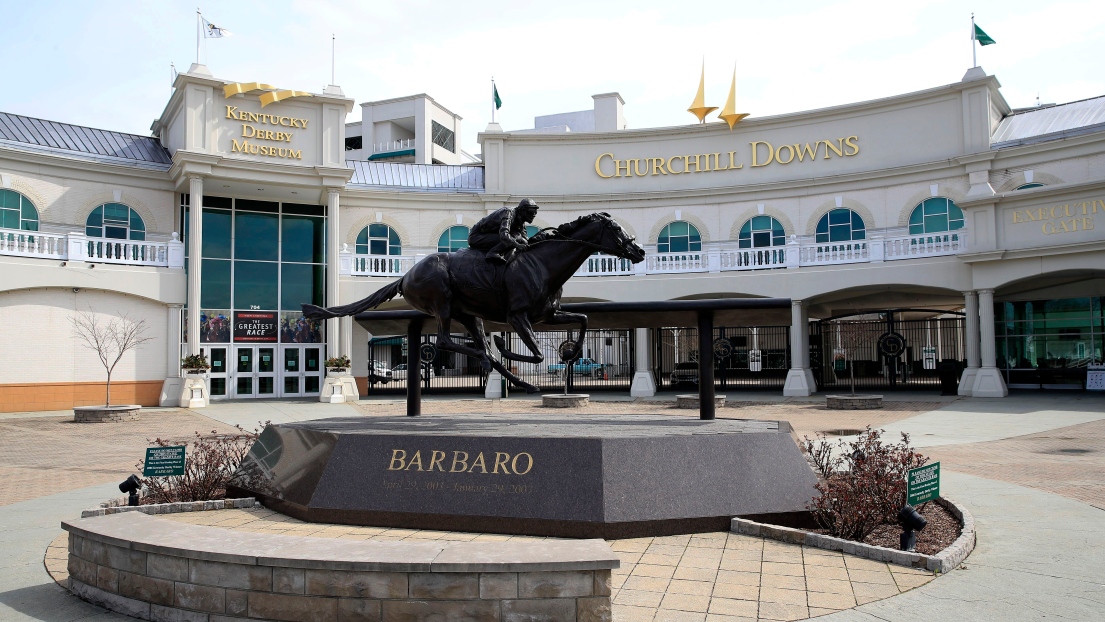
(495, 96)
(982, 37)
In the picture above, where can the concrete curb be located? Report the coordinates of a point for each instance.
(175, 508)
(942, 562)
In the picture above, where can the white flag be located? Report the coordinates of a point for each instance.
(211, 31)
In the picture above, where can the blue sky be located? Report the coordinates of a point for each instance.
(106, 64)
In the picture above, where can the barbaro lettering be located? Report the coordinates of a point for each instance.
(462, 462)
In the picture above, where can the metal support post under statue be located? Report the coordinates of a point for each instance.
(414, 369)
(705, 365)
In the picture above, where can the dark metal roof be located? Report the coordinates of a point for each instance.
(1050, 123)
(87, 142)
(447, 177)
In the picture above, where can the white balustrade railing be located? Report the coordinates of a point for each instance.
(834, 253)
(753, 258)
(77, 247)
(605, 265)
(380, 265)
(926, 245)
(393, 145)
(667, 263)
(20, 243)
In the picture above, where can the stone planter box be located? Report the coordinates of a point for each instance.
(155, 569)
(853, 402)
(104, 414)
(565, 400)
(690, 400)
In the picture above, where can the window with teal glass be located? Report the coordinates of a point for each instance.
(531, 230)
(840, 225)
(115, 221)
(302, 283)
(454, 239)
(215, 290)
(255, 236)
(255, 285)
(1027, 186)
(679, 237)
(935, 215)
(216, 233)
(380, 239)
(761, 231)
(17, 212)
(302, 239)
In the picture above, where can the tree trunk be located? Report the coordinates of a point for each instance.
(852, 370)
(107, 401)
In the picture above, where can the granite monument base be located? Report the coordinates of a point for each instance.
(583, 476)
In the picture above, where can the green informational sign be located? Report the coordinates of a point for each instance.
(163, 461)
(923, 484)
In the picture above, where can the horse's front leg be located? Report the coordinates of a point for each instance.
(520, 323)
(566, 317)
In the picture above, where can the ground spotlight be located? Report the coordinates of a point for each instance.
(131, 486)
(912, 522)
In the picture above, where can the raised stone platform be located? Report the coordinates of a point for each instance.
(565, 400)
(608, 476)
(853, 402)
(105, 414)
(691, 400)
(155, 569)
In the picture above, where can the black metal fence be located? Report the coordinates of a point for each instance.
(606, 363)
(843, 346)
(746, 357)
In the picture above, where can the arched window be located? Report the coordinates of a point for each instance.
(378, 239)
(679, 237)
(454, 239)
(531, 230)
(1027, 186)
(760, 232)
(935, 215)
(840, 225)
(115, 221)
(17, 212)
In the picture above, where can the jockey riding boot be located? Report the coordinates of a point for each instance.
(496, 258)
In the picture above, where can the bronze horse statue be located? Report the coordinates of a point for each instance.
(463, 286)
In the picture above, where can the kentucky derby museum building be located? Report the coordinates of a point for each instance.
(972, 234)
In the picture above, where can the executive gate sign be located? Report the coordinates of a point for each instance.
(923, 484)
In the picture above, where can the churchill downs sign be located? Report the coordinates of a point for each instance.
(254, 128)
(759, 153)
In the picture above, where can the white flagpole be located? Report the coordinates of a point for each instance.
(333, 56)
(199, 33)
(492, 99)
(974, 42)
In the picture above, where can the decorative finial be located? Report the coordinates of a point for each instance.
(729, 112)
(698, 106)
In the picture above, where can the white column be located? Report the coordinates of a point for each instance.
(811, 382)
(333, 269)
(171, 388)
(798, 382)
(971, 335)
(643, 385)
(988, 381)
(195, 248)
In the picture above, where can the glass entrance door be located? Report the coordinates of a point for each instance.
(255, 371)
(301, 370)
(218, 373)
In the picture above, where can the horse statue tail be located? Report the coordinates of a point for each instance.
(378, 298)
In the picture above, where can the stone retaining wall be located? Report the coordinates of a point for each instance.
(105, 414)
(154, 569)
(944, 561)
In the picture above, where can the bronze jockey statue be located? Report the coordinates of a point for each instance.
(503, 232)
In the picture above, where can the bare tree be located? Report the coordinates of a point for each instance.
(852, 337)
(110, 339)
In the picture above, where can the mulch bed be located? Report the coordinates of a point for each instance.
(939, 534)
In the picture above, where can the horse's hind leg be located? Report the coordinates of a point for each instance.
(521, 324)
(475, 328)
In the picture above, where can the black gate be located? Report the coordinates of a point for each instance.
(888, 350)
(746, 357)
(442, 372)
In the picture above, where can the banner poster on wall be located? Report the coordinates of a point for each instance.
(255, 326)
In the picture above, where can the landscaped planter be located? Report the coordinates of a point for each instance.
(690, 400)
(105, 414)
(565, 400)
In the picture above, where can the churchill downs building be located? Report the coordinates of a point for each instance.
(974, 232)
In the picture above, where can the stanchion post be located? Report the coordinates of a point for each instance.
(705, 364)
(414, 368)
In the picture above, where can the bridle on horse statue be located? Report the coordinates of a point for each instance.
(605, 225)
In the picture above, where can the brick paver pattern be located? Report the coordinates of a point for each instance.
(711, 576)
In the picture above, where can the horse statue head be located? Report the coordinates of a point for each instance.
(600, 231)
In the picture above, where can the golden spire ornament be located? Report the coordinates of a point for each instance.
(698, 107)
(729, 112)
